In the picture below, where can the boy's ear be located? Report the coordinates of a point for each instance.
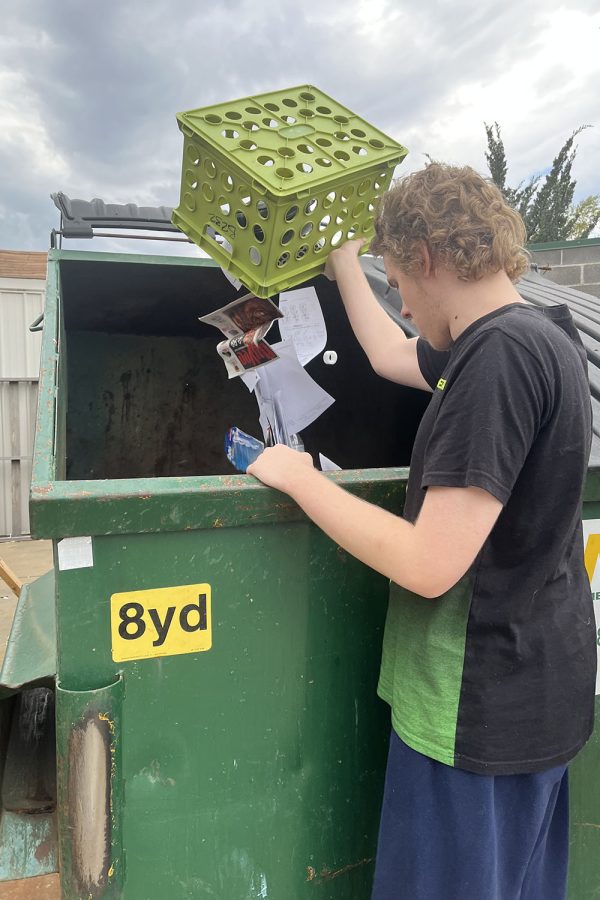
(426, 261)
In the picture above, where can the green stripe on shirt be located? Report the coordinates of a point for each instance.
(422, 666)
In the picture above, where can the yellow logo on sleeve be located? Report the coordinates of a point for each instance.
(441, 384)
(161, 622)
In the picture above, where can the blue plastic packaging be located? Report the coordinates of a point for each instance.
(241, 449)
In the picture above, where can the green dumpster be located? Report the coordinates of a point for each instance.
(218, 731)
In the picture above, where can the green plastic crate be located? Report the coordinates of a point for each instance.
(271, 183)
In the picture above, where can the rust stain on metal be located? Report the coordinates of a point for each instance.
(44, 849)
(105, 718)
(327, 874)
(218, 523)
(43, 489)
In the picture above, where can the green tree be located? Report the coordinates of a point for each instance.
(545, 203)
(585, 216)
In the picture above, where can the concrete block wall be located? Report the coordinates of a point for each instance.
(574, 264)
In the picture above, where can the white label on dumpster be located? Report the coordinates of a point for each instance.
(161, 622)
(591, 543)
(75, 553)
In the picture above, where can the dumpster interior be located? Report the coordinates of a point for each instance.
(149, 396)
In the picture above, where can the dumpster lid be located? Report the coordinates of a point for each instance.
(30, 656)
(79, 218)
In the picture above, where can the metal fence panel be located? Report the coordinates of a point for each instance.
(20, 303)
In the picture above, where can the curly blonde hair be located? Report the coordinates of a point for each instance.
(462, 219)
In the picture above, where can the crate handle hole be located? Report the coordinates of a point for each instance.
(219, 239)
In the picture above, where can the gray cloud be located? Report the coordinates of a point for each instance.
(99, 86)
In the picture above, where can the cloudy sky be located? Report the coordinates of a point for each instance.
(89, 91)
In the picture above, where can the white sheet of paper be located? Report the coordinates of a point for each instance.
(301, 398)
(231, 279)
(75, 553)
(303, 322)
(591, 528)
(327, 465)
(250, 379)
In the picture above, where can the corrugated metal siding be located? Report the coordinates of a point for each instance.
(21, 302)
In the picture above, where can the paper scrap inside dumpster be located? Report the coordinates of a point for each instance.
(244, 322)
(287, 395)
(246, 352)
(232, 280)
(327, 465)
(303, 322)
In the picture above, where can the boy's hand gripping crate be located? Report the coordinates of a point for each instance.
(271, 183)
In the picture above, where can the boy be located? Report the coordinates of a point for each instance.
(489, 651)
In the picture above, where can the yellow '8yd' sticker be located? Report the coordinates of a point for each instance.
(161, 622)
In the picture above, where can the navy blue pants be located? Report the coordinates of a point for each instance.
(447, 834)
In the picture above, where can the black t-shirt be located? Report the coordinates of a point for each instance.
(498, 676)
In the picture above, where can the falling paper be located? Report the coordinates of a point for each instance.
(250, 379)
(303, 322)
(231, 279)
(286, 386)
(327, 465)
